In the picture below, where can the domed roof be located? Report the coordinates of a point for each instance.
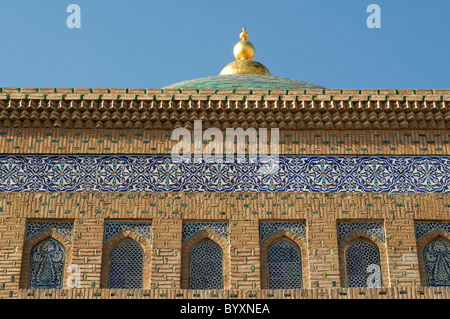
(244, 73)
(243, 81)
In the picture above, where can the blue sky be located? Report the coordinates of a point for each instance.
(151, 44)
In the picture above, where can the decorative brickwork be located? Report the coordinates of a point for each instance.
(320, 265)
(291, 142)
(312, 109)
(80, 167)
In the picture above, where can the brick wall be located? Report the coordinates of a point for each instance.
(315, 142)
(321, 251)
(312, 122)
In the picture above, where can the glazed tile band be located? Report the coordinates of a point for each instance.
(159, 173)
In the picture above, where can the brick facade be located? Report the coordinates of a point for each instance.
(166, 257)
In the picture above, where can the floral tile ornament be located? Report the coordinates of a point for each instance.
(158, 173)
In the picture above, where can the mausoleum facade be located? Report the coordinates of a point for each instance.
(93, 205)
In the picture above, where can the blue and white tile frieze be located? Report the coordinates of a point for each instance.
(159, 173)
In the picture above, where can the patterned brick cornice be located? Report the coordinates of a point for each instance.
(169, 109)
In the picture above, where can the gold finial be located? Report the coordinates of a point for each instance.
(243, 35)
(244, 51)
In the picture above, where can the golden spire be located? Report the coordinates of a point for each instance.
(244, 51)
(244, 34)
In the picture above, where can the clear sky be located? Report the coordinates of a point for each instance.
(151, 44)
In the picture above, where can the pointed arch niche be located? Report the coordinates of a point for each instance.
(291, 240)
(34, 243)
(187, 262)
(368, 240)
(433, 250)
(122, 238)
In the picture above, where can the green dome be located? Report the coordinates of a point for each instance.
(243, 81)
